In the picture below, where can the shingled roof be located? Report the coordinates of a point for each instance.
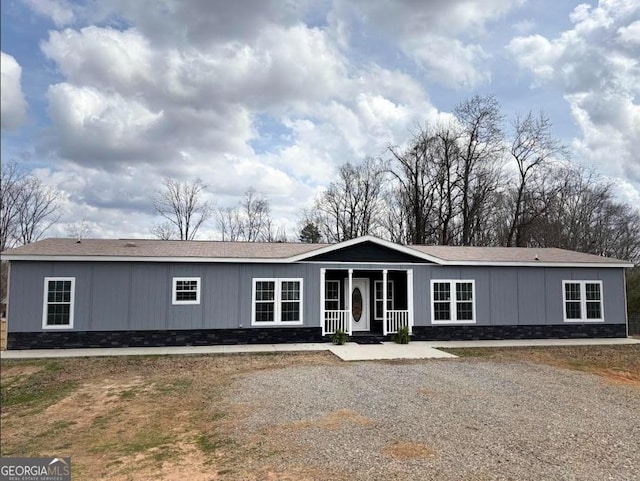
(219, 251)
(512, 254)
(162, 248)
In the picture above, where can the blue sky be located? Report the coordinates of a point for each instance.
(102, 99)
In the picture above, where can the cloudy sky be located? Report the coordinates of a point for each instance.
(102, 99)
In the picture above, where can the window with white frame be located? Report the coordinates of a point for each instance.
(332, 295)
(583, 301)
(277, 301)
(58, 302)
(186, 290)
(453, 302)
(378, 297)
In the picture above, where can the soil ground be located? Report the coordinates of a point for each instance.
(169, 417)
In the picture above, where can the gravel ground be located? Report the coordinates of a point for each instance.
(439, 420)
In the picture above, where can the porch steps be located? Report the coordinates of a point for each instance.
(367, 338)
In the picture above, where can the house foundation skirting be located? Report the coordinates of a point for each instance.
(554, 331)
(199, 337)
(206, 337)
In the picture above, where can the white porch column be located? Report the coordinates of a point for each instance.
(410, 298)
(347, 301)
(322, 296)
(384, 301)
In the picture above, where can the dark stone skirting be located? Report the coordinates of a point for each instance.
(554, 331)
(88, 339)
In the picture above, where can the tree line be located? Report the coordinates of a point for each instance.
(477, 180)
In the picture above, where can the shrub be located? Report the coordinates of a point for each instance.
(402, 336)
(340, 337)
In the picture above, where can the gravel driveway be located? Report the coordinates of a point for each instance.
(439, 420)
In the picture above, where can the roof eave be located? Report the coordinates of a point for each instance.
(97, 258)
(537, 264)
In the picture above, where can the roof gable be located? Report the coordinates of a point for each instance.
(366, 251)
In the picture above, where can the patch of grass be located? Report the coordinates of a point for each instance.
(37, 391)
(206, 444)
(128, 394)
(102, 422)
(58, 427)
(164, 453)
(622, 361)
(143, 440)
(173, 386)
(210, 445)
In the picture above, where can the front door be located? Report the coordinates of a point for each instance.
(359, 304)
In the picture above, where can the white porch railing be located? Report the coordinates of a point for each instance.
(396, 320)
(334, 320)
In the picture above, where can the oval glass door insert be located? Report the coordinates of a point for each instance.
(356, 303)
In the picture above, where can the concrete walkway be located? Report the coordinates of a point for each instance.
(348, 352)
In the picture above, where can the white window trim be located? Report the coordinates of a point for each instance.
(376, 300)
(583, 301)
(45, 302)
(176, 302)
(453, 300)
(277, 310)
(337, 290)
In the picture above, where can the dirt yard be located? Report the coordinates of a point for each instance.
(184, 417)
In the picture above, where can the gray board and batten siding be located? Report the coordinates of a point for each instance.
(123, 290)
(112, 296)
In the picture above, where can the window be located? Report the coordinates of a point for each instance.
(582, 301)
(186, 290)
(453, 302)
(378, 297)
(332, 295)
(277, 301)
(58, 302)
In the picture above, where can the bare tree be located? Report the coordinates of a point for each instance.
(11, 181)
(412, 170)
(250, 220)
(79, 230)
(447, 184)
(229, 223)
(37, 210)
(181, 204)
(28, 208)
(255, 210)
(352, 206)
(480, 153)
(532, 148)
(163, 231)
(428, 184)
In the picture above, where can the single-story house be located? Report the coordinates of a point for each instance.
(106, 292)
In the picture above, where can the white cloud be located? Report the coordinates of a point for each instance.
(442, 36)
(130, 101)
(596, 66)
(59, 11)
(14, 106)
(630, 33)
(524, 26)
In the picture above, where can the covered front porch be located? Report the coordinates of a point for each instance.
(353, 300)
